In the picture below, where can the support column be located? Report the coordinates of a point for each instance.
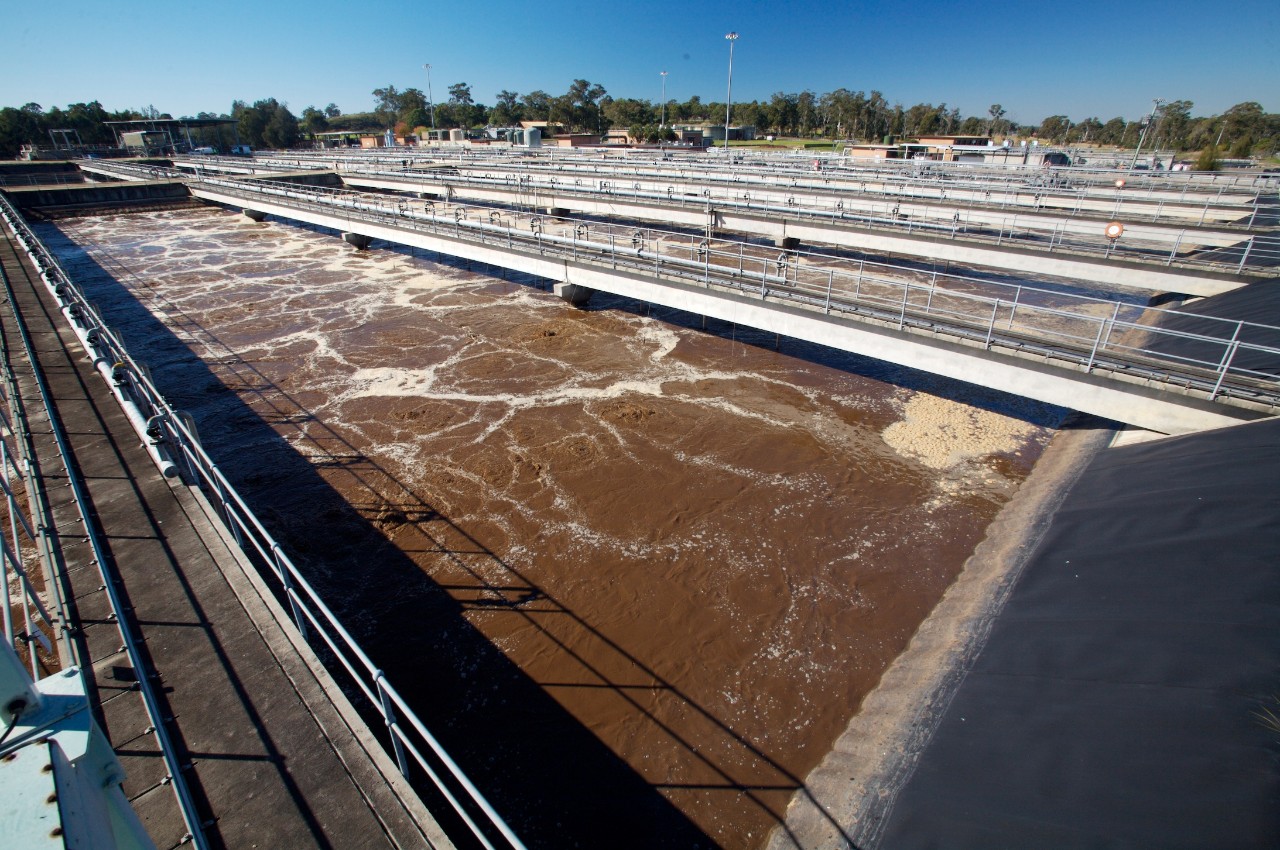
(573, 293)
(256, 215)
(357, 240)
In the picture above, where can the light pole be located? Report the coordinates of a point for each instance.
(728, 98)
(431, 101)
(1155, 105)
(662, 123)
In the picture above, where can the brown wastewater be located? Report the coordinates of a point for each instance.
(636, 574)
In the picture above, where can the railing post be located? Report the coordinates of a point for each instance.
(1227, 356)
(1226, 366)
(1245, 256)
(831, 279)
(286, 580)
(991, 326)
(389, 716)
(1099, 341)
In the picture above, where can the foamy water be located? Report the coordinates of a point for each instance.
(702, 551)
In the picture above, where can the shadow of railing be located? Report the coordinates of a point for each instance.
(551, 777)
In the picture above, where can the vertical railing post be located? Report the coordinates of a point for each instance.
(286, 580)
(1245, 256)
(389, 717)
(1227, 356)
(4, 567)
(991, 325)
(1100, 340)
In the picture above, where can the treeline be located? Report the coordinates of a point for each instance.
(1243, 130)
(30, 124)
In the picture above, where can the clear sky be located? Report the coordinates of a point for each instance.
(1080, 58)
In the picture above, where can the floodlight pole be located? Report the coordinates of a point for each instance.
(1155, 105)
(663, 121)
(431, 101)
(728, 98)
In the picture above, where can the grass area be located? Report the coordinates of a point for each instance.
(790, 144)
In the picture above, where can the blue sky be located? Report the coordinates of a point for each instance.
(1081, 58)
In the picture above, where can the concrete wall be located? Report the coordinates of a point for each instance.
(1155, 410)
(97, 194)
(963, 252)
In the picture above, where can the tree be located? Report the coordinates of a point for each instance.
(996, 112)
(250, 123)
(583, 106)
(1112, 133)
(388, 105)
(629, 112)
(508, 110)
(332, 111)
(536, 106)
(281, 130)
(314, 121)
(1208, 159)
(1054, 128)
(460, 94)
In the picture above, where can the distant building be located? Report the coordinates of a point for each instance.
(736, 134)
(873, 151)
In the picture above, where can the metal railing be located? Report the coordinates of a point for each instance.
(172, 435)
(838, 174)
(1078, 332)
(17, 470)
(50, 273)
(1217, 250)
(134, 171)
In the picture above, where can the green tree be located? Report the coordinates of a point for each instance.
(1208, 159)
(507, 111)
(250, 123)
(281, 130)
(1054, 128)
(314, 121)
(1112, 133)
(388, 105)
(536, 106)
(460, 94)
(996, 112)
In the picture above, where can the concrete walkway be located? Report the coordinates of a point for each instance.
(276, 755)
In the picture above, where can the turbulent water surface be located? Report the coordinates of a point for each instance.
(638, 575)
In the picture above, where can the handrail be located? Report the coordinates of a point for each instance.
(186, 804)
(1030, 217)
(1232, 252)
(1087, 332)
(172, 430)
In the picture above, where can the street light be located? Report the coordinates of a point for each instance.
(728, 99)
(1155, 106)
(663, 122)
(431, 101)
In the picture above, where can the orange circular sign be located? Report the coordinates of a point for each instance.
(1120, 183)
(1114, 229)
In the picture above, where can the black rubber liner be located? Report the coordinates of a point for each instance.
(1115, 704)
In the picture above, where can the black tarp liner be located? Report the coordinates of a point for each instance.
(1115, 702)
(1258, 303)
